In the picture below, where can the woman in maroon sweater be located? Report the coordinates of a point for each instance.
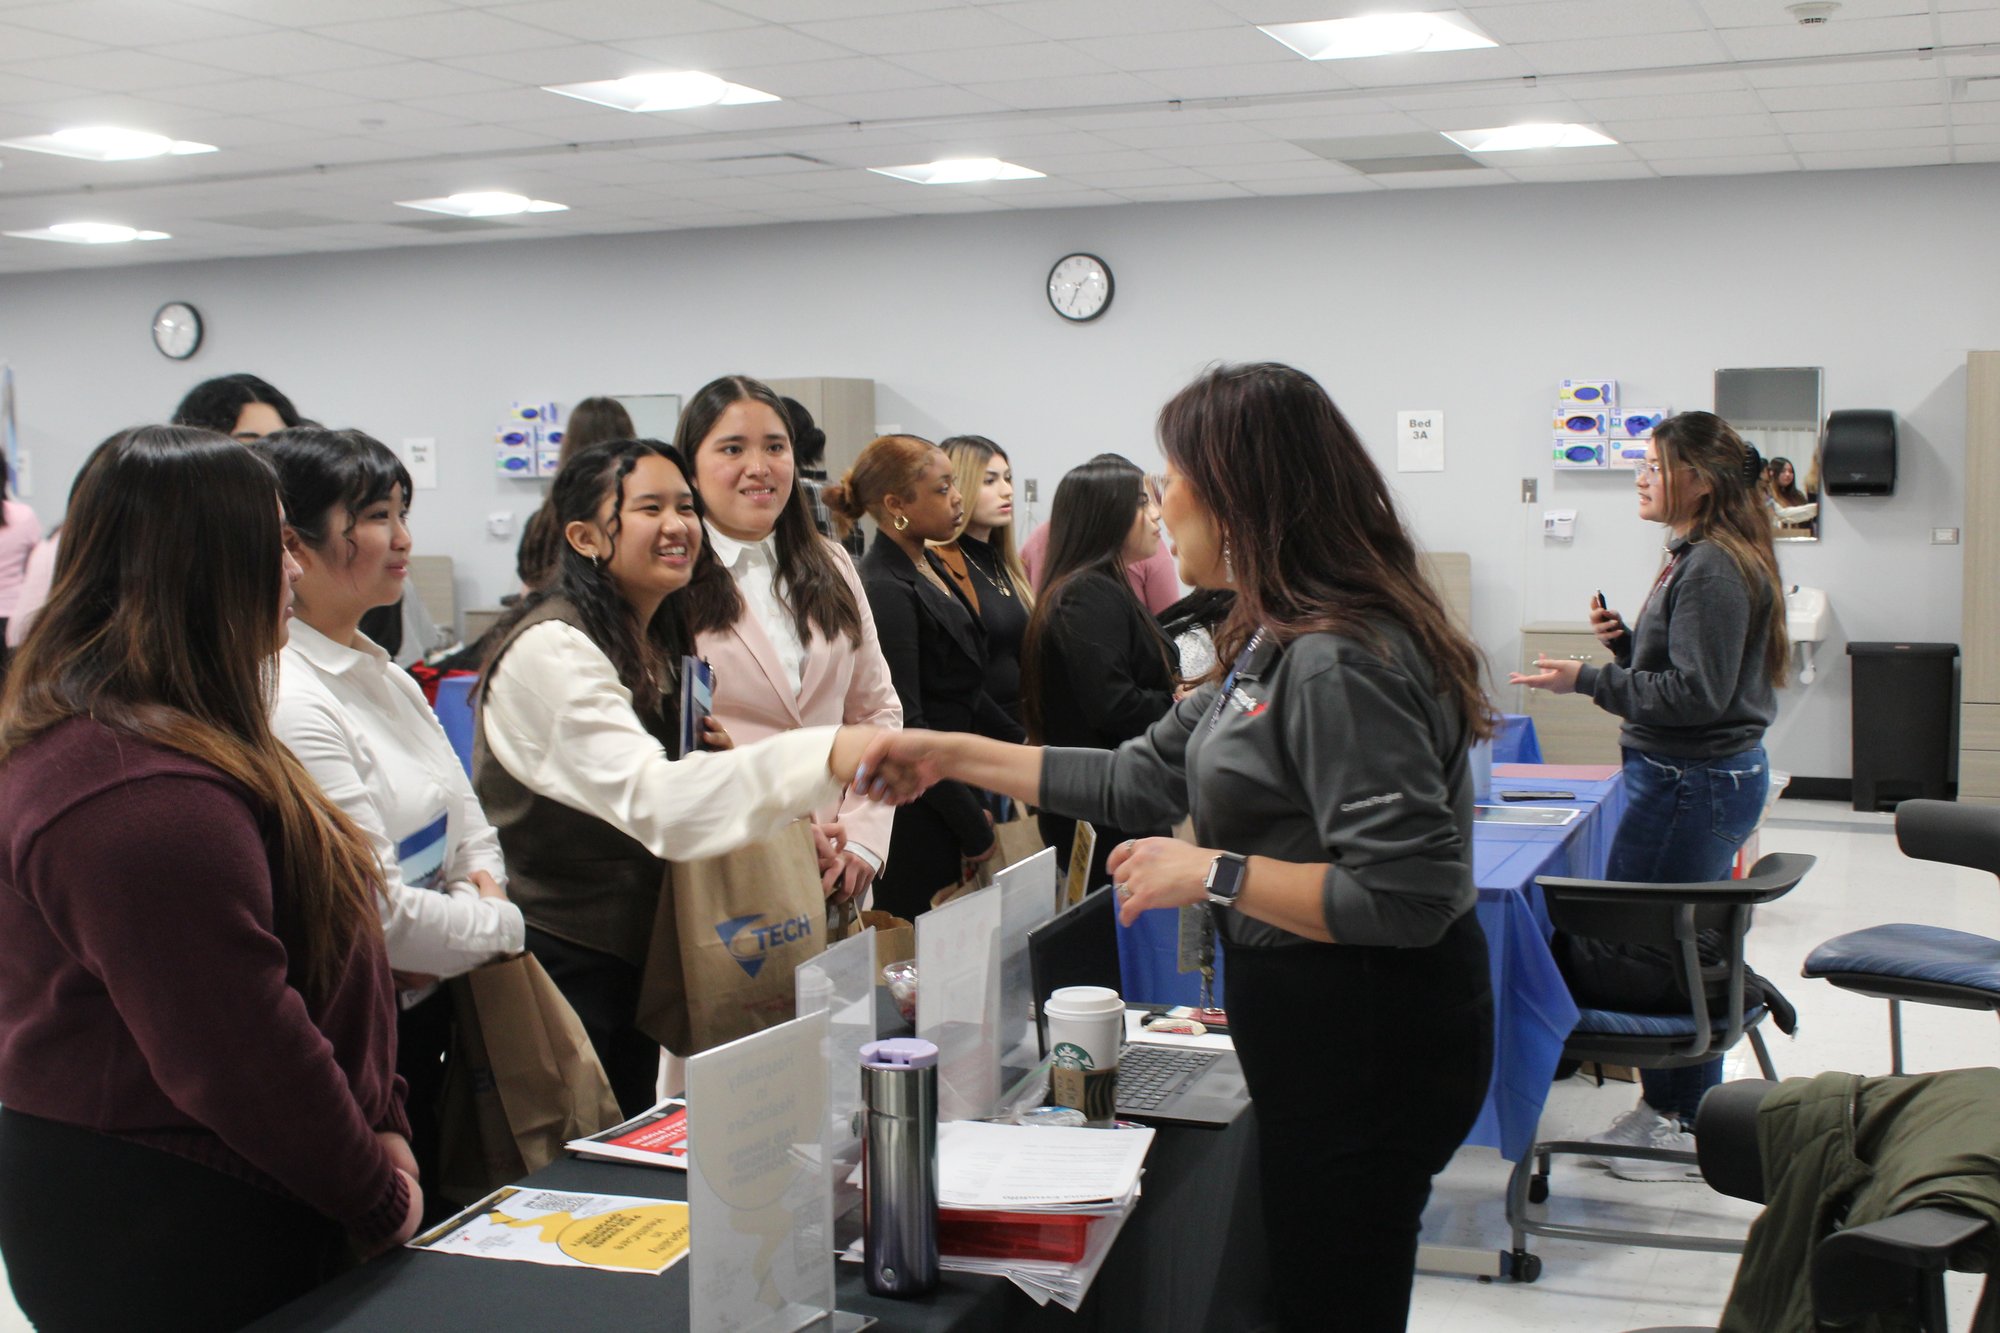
(197, 1038)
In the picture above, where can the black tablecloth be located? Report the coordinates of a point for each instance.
(1191, 1257)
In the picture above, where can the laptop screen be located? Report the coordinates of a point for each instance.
(1079, 947)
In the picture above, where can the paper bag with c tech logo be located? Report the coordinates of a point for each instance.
(728, 932)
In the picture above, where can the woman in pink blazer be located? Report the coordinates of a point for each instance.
(778, 610)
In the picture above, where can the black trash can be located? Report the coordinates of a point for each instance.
(1904, 724)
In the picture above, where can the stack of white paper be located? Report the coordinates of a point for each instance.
(1031, 1169)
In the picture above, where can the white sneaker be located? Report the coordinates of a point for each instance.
(1643, 1127)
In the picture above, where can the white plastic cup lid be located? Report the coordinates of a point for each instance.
(1084, 1002)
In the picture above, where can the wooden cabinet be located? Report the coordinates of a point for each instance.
(1979, 730)
(845, 410)
(1569, 727)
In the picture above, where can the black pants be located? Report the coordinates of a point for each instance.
(604, 991)
(101, 1235)
(423, 1043)
(1367, 1067)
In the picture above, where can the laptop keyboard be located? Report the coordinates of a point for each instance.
(1149, 1074)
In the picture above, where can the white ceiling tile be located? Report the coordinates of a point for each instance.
(1077, 199)
(367, 120)
(993, 64)
(20, 90)
(402, 81)
(1746, 165)
(1814, 73)
(1257, 80)
(737, 52)
(1355, 184)
(1486, 117)
(114, 71)
(277, 53)
(1596, 54)
(1444, 67)
(139, 113)
(1566, 20)
(1066, 19)
(1341, 124)
(1160, 194)
(29, 44)
(1741, 102)
(1224, 159)
(132, 22)
(1199, 49)
(1651, 83)
(1441, 180)
(1977, 134)
(1975, 113)
(509, 106)
(250, 97)
(1748, 145)
(1846, 36)
(854, 74)
(1550, 174)
(1963, 29)
(1075, 90)
(556, 64)
(1122, 180)
(1854, 139)
(1826, 96)
(1686, 127)
(932, 101)
(460, 33)
(1076, 166)
(1164, 133)
(1861, 118)
(1305, 168)
(1853, 159)
(799, 11)
(1755, 14)
(927, 30)
(615, 20)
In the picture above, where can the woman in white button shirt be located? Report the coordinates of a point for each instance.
(779, 612)
(578, 724)
(361, 727)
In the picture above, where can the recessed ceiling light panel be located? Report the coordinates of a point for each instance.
(90, 233)
(484, 204)
(673, 90)
(107, 143)
(1514, 138)
(1379, 35)
(960, 171)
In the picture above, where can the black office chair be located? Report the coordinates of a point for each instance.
(1896, 1264)
(1667, 916)
(1924, 964)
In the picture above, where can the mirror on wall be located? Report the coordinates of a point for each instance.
(1778, 410)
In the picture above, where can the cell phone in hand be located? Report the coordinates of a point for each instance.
(697, 700)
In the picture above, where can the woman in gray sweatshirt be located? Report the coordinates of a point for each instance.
(1324, 764)
(1695, 681)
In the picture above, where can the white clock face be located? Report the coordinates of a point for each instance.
(177, 330)
(1080, 287)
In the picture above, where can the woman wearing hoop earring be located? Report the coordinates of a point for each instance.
(936, 653)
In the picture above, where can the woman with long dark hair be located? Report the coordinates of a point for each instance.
(578, 723)
(1695, 679)
(198, 1073)
(1095, 669)
(361, 727)
(592, 421)
(983, 564)
(936, 655)
(778, 611)
(1327, 778)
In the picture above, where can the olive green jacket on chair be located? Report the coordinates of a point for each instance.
(1843, 1150)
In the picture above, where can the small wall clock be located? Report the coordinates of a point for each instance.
(1080, 287)
(177, 330)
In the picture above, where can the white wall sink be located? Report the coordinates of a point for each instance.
(1808, 619)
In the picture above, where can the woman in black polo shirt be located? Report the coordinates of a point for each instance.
(1326, 774)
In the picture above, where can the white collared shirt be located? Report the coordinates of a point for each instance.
(557, 717)
(361, 727)
(754, 566)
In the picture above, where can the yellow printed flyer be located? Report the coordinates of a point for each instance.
(567, 1230)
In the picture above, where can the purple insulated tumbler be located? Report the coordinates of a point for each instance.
(899, 1171)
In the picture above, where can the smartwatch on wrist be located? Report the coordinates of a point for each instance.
(1225, 878)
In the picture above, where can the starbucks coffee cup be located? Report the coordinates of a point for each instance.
(1086, 1028)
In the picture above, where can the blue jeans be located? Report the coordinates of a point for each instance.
(1684, 821)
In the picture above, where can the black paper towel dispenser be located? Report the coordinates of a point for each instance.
(1858, 456)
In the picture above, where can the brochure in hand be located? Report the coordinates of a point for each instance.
(657, 1137)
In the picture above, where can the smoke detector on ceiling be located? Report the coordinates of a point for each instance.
(1813, 13)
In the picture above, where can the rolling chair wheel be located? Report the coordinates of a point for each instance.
(1538, 1190)
(1524, 1267)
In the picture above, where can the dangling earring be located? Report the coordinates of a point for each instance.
(597, 562)
(1228, 565)
(902, 522)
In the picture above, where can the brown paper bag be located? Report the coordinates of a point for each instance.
(728, 932)
(1013, 842)
(895, 939)
(523, 1079)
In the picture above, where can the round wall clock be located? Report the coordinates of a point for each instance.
(1080, 287)
(177, 330)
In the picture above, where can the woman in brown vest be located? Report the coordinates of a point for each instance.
(572, 755)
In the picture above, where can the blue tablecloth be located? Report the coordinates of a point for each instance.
(1515, 742)
(1533, 1012)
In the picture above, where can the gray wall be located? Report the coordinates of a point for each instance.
(1474, 301)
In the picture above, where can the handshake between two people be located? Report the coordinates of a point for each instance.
(892, 766)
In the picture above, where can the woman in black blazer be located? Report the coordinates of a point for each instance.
(1095, 669)
(935, 649)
